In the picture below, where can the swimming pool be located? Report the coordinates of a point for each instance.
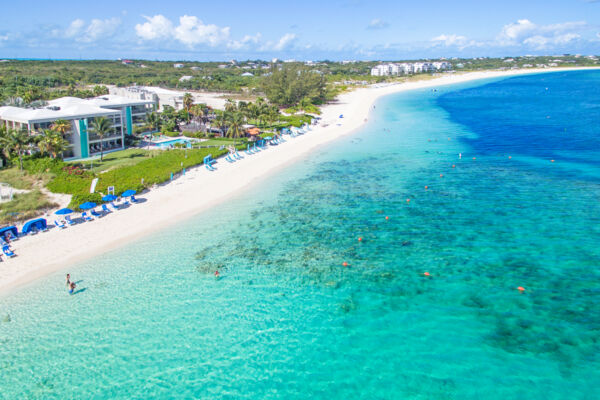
(169, 143)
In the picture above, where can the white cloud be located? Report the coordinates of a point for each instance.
(75, 28)
(525, 32)
(191, 31)
(285, 42)
(97, 29)
(450, 40)
(245, 42)
(155, 27)
(377, 24)
(100, 28)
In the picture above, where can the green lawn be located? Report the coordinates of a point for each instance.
(21, 179)
(116, 159)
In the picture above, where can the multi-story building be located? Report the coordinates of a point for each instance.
(409, 68)
(122, 112)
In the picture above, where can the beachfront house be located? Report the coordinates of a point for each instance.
(123, 113)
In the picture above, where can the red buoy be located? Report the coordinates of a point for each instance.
(408, 200)
(345, 264)
(360, 239)
(426, 274)
(453, 166)
(521, 289)
(509, 157)
(474, 158)
(426, 187)
(387, 217)
(551, 160)
(441, 175)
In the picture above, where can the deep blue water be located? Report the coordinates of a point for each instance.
(288, 321)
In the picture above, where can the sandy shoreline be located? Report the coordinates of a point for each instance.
(199, 189)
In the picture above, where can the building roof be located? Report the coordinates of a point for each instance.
(67, 111)
(70, 108)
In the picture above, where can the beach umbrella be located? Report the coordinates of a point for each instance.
(268, 138)
(128, 193)
(109, 197)
(63, 211)
(87, 205)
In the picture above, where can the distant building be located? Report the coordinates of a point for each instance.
(393, 69)
(185, 78)
(127, 62)
(196, 68)
(247, 74)
(122, 112)
(178, 65)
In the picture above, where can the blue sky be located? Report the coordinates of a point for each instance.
(304, 30)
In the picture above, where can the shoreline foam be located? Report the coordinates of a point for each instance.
(199, 189)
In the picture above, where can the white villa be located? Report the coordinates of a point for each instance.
(393, 69)
(122, 112)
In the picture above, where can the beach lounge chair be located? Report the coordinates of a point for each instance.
(95, 213)
(86, 217)
(229, 159)
(114, 206)
(106, 209)
(6, 250)
(237, 155)
(59, 224)
(69, 220)
(134, 200)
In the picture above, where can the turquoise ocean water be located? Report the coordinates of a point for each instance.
(288, 321)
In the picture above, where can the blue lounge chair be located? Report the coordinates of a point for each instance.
(6, 249)
(237, 155)
(229, 159)
(106, 209)
(59, 224)
(86, 217)
(134, 200)
(95, 213)
(114, 206)
(69, 220)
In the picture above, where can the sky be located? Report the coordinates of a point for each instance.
(199, 30)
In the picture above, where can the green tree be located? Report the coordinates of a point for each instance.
(154, 121)
(235, 128)
(15, 141)
(290, 84)
(52, 142)
(188, 101)
(101, 126)
(62, 126)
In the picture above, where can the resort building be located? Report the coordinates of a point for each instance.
(393, 69)
(123, 113)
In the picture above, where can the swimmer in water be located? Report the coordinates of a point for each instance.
(68, 283)
(72, 288)
(459, 155)
(217, 274)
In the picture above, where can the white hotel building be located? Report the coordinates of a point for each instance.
(393, 69)
(123, 113)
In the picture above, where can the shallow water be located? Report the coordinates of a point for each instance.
(287, 320)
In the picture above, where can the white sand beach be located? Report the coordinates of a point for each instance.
(198, 190)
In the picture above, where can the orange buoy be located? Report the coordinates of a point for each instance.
(408, 200)
(360, 239)
(387, 217)
(453, 166)
(426, 274)
(345, 264)
(426, 187)
(521, 289)
(551, 160)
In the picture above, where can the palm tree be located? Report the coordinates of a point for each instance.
(61, 126)
(101, 126)
(221, 122)
(52, 142)
(235, 130)
(188, 101)
(15, 141)
(230, 105)
(154, 121)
